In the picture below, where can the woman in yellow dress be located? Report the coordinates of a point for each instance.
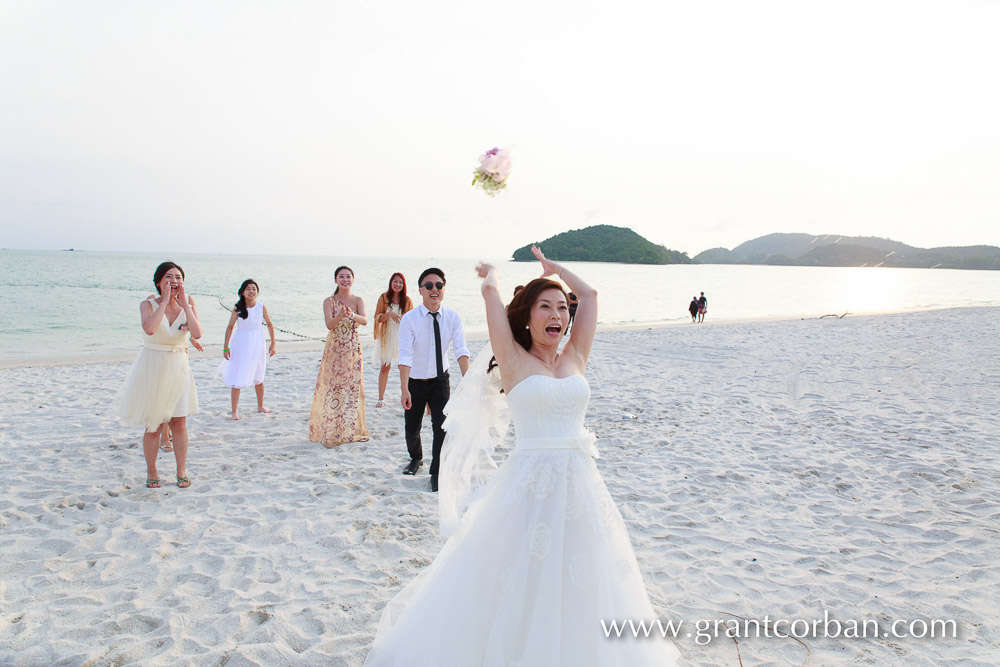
(338, 409)
(159, 390)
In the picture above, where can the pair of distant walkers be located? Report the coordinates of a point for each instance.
(698, 307)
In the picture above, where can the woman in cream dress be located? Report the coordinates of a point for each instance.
(391, 307)
(160, 388)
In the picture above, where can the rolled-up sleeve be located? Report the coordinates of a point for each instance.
(406, 340)
(458, 338)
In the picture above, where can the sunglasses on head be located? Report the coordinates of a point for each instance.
(430, 285)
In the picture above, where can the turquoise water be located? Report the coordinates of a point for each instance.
(74, 303)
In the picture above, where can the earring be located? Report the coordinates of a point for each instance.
(526, 326)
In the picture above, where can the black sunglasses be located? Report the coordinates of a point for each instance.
(430, 285)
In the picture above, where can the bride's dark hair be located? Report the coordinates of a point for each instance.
(519, 311)
(241, 305)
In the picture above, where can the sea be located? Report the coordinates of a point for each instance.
(80, 303)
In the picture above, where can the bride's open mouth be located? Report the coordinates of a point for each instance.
(553, 329)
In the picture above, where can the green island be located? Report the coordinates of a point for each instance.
(606, 243)
(602, 243)
(840, 250)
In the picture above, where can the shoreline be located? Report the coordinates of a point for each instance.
(293, 347)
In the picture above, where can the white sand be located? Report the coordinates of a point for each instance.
(779, 468)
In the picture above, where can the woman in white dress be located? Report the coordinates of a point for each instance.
(391, 307)
(246, 350)
(159, 389)
(539, 555)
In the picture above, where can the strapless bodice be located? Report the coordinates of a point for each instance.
(548, 407)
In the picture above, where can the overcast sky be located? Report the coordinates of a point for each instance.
(343, 127)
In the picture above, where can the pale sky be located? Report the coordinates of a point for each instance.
(351, 128)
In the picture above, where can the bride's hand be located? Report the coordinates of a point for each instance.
(483, 269)
(548, 266)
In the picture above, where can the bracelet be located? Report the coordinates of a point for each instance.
(561, 269)
(225, 349)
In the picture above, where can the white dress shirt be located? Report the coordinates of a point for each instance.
(416, 340)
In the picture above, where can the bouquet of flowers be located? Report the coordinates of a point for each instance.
(493, 170)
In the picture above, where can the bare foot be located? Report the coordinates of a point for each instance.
(264, 410)
(234, 417)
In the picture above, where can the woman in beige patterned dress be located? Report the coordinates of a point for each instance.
(338, 409)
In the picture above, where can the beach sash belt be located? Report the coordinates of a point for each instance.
(583, 443)
(166, 348)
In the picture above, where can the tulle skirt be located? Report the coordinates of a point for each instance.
(386, 350)
(159, 387)
(247, 359)
(536, 565)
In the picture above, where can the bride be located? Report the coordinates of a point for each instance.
(538, 554)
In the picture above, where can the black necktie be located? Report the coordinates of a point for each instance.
(437, 346)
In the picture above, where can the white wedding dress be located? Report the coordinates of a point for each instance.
(538, 560)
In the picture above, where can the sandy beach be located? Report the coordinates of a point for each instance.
(780, 469)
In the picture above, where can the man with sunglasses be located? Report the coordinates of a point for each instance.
(425, 333)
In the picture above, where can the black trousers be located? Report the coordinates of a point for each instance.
(434, 392)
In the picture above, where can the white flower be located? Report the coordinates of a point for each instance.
(541, 540)
(544, 480)
(525, 469)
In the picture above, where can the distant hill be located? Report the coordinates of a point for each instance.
(603, 243)
(715, 256)
(836, 250)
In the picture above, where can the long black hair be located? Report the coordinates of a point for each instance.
(241, 305)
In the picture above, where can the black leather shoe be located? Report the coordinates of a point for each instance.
(434, 483)
(412, 467)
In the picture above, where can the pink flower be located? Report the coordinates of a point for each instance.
(494, 168)
(497, 164)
